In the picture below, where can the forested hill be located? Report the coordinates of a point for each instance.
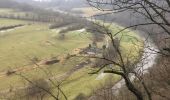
(16, 5)
(60, 4)
(69, 4)
(8, 4)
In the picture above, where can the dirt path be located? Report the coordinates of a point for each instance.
(21, 69)
(57, 77)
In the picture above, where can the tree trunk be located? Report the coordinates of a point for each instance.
(132, 88)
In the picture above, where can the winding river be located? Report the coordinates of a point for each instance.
(147, 61)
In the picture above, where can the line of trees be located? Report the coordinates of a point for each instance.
(10, 27)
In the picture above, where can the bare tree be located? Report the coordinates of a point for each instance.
(153, 18)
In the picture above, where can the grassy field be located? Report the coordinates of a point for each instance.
(8, 22)
(4, 10)
(15, 12)
(37, 40)
(88, 11)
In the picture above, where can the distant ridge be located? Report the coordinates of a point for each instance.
(62, 4)
(17, 4)
(8, 4)
(42, 0)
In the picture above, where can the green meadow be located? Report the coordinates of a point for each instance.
(35, 39)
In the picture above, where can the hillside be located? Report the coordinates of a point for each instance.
(70, 50)
(8, 4)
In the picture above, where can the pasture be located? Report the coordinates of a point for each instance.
(35, 40)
